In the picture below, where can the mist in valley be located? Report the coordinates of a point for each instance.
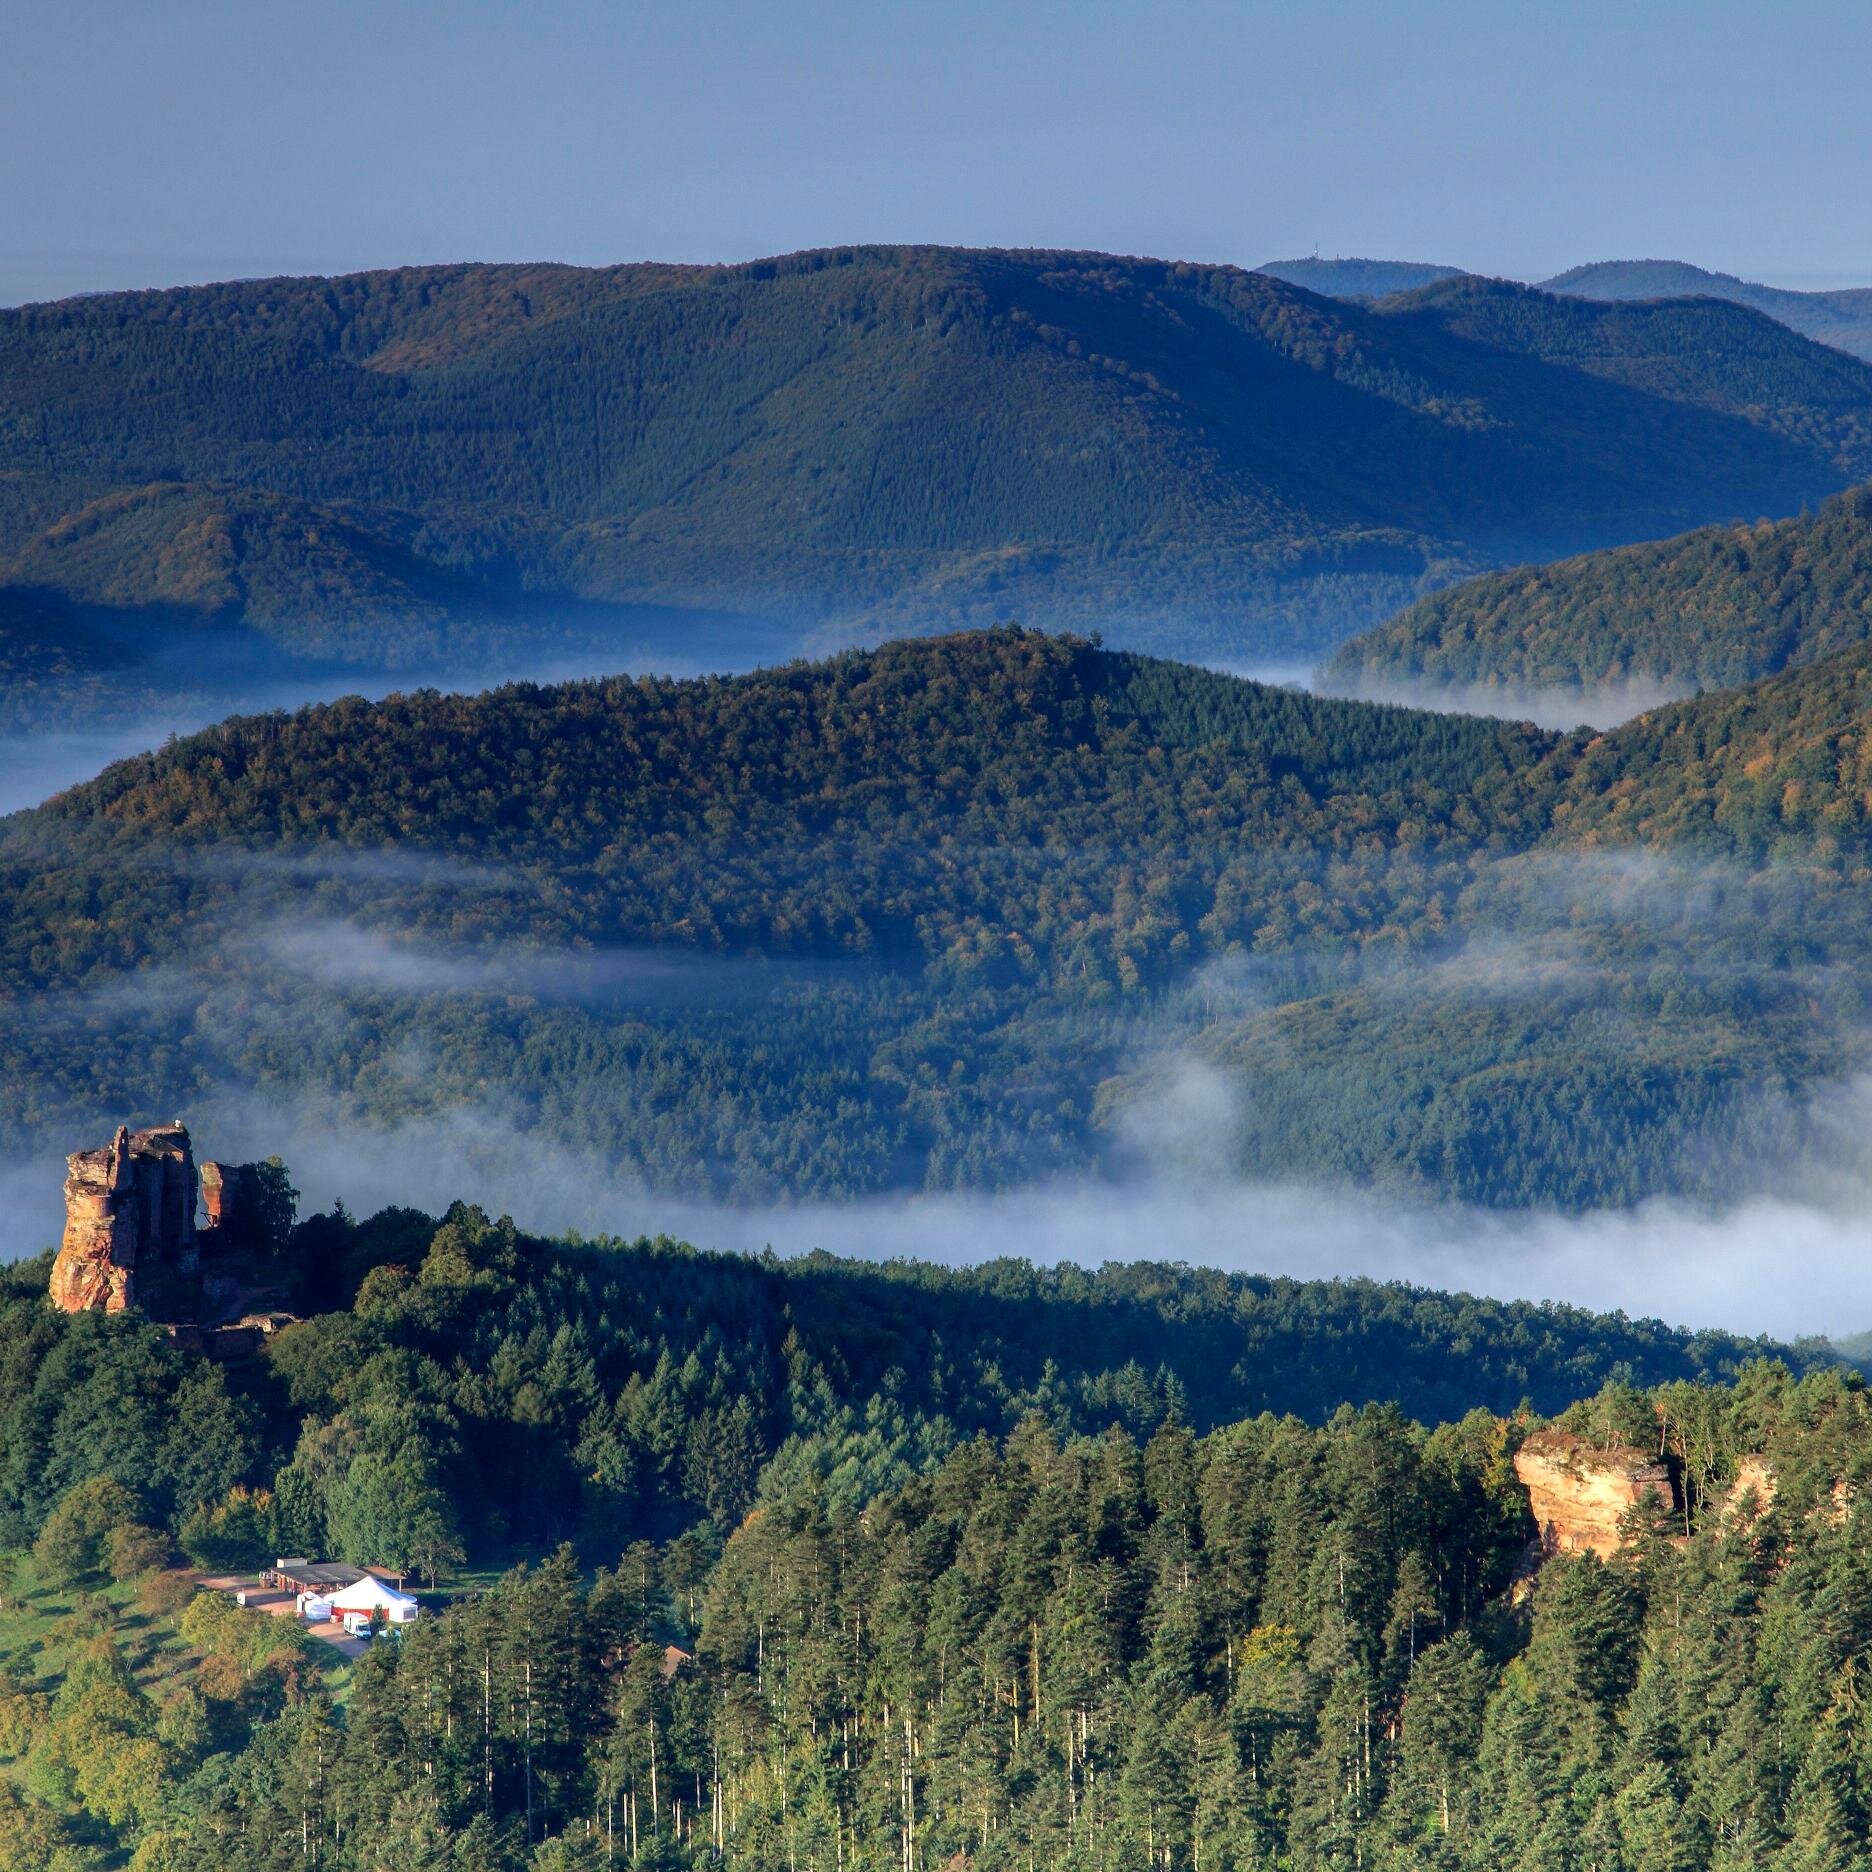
(71, 735)
(1774, 1265)
(1557, 707)
(1789, 1261)
(1786, 1262)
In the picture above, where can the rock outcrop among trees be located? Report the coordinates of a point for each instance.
(1582, 1496)
(131, 1203)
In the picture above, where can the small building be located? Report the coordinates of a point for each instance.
(307, 1578)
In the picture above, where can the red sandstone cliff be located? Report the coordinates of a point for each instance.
(1580, 1494)
(99, 1250)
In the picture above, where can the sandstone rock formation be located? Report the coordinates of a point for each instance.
(1580, 1494)
(99, 1250)
(163, 1164)
(131, 1207)
(230, 1203)
(1753, 1490)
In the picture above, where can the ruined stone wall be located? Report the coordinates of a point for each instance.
(164, 1163)
(230, 1196)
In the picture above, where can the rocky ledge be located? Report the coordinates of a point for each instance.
(1580, 1493)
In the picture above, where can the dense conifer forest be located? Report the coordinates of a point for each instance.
(943, 915)
(818, 1563)
(1142, 824)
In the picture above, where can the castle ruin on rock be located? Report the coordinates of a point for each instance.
(130, 1217)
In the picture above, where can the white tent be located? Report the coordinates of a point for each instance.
(370, 1595)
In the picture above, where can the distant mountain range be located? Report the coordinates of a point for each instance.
(1359, 279)
(1708, 609)
(380, 469)
(1841, 318)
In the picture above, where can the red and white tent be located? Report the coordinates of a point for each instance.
(370, 1595)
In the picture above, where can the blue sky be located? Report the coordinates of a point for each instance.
(171, 140)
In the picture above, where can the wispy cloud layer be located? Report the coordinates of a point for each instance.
(1779, 1266)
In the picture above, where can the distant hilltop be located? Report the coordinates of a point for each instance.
(1359, 279)
(1841, 318)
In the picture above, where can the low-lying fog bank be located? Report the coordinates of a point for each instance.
(1559, 708)
(1782, 1267)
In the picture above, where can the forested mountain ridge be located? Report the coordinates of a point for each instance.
(1707, 353)
(864, 437)
(1714, 608)
(1841, 317)
(867, 788)
(1780, 766)
(946, 914)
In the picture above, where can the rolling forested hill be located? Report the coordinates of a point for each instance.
(951, 914)
(1841, 318)
(1699, 352)
(1712, 608)
(867, 438)
(1782, 765)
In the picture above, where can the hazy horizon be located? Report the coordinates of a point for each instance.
(207, 142)
(44, 278)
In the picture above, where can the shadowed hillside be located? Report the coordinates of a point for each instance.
(1716, 607)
